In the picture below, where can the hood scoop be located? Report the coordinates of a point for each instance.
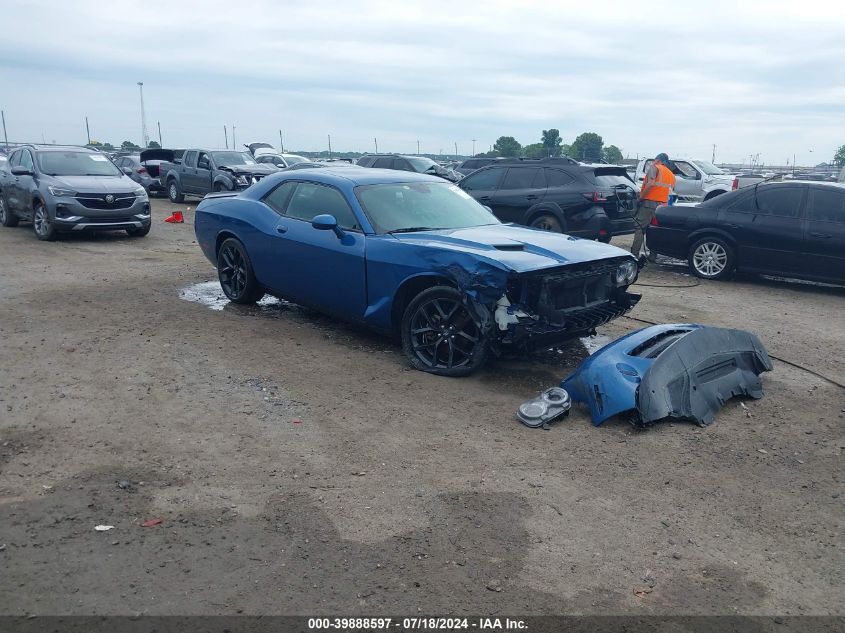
(509, 246)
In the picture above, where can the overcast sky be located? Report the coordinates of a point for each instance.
(765, 77)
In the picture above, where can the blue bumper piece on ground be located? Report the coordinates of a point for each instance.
(674, 370)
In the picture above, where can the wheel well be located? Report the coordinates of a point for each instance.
(222, 237)
(692, 239)
(713, 194)
(409, 289)
(534, 212)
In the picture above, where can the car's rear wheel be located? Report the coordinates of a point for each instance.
(547, 222)
(234, 270)
(43, 227)
(174, 193)
(440, 336)
(7, 218)
(711, 258)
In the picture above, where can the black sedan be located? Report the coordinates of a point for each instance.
(794, 229)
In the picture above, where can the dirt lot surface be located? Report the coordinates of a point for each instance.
(298, 465)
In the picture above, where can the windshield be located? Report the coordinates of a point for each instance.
(708, 168)
(420, 164)
(76, 164)
(291, 159)
(232, 158)
(420, 206)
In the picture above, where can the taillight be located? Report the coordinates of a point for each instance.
(142, 170)
(654, 221)
(735, 184)
(596, 196)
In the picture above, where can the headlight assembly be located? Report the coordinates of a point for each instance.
(241, 180)
(61, 191)
(625, 273)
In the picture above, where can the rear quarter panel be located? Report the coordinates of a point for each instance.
(243, 218)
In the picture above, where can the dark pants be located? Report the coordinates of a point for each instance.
(644, 216)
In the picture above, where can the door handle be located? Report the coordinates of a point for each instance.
(484, 198)
(732, 226)
(531, 197)
(823, 236)
(281, 229)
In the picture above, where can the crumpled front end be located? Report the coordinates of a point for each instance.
(685, 371)
(545, 308)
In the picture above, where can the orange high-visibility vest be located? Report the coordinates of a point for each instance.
(664, 182)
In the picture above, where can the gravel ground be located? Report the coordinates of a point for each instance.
(298, 466)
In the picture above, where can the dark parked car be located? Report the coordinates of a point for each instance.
(418, 164)
(143, 168)
(413, 255)
(68, 188)
(555, 194)
(202, 171)
(794, 228)
(472, 164)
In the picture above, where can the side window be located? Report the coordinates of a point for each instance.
(781, 201)
(483, 180)
(366, 161)
(15, 159)
(203, 161)
(190, 159)
(740, 202)
(401, 163)
(828, 205)
(557, 178)
(685, 170)
(119, 163)
(310, 199)
(26, 159)
(277, 198)
(384, 162)
(520, 177)
(539, 181)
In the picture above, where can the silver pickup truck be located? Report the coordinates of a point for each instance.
(695, 180)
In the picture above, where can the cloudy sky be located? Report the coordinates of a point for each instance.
(762, 77)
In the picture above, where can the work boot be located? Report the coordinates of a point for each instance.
(641, 262)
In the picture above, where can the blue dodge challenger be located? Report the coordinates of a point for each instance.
(413, 255)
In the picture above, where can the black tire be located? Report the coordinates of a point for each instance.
(144, 230)
(234, 271)
(42, 226)
(439, 335)
(217, 187)
(174, 192)
(547, 221)
(711, 258)
(7, 218)
(605, 239)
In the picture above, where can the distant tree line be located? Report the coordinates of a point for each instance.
(587, 147)
(125, 146)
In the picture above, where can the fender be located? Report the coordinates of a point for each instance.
(703, 232)
(173, 175)
(225, 180)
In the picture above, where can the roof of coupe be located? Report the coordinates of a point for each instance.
(344, 177)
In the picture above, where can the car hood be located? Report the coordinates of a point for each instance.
(250, 169)
(97, 184)
(519, 248)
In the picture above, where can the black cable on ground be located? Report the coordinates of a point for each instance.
(636, 283)
(777, 358)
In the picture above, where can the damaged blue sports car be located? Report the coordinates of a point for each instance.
(412, 255)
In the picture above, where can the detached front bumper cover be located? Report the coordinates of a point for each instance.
(685, 371)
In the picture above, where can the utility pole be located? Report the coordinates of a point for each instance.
(226, 136)
(456, 150)
(713, 158)
(87, 131)
(375, 140)
(473, 147)
(145, 139)
(418, 147)
(234, 145)
(5, 136)
(281, 142)
(160, 142)
(330, 145)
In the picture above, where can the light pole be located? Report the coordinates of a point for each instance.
(418, 148)
(456, 150)
(375, 140)
(145, 139)
(473, 147)
(330, 145)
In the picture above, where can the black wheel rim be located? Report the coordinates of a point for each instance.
(544, 224)
(232, 271)
(443, 334)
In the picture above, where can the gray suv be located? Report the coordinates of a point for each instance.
(66, 188)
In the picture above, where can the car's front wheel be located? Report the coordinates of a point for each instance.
(547, 222)
(42, 225)
(7, 218)
(234, 270)
(440, 336)
(711, 258)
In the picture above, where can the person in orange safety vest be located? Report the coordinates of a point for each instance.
(658, 183)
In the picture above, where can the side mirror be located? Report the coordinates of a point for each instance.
(126, 171)
(21, 171)
(488, 208)
(327, 222)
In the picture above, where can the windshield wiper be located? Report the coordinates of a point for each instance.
(413, 229)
